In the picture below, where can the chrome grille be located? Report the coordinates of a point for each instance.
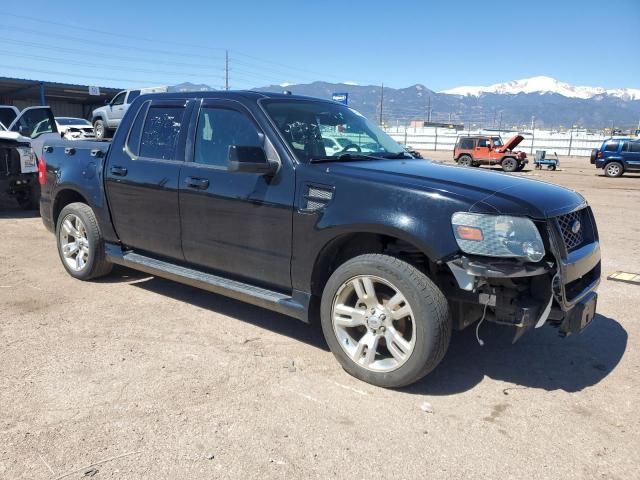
(566, 223)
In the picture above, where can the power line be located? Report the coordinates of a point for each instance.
(102, 44)
(99, 77)
(93, 30)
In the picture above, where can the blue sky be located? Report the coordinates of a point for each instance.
(440, 44)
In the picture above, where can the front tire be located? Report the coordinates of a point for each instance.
(100, 130)
(613, 169)
(509, 164)
(80, 243)
(384, 320)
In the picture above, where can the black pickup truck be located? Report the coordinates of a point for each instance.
(247, 195)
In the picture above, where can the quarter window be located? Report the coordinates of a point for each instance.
(218, 129)
(466, 143)
(161, 132)
(611, 146)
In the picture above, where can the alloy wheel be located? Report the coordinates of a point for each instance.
(74, 243)
(373, 323)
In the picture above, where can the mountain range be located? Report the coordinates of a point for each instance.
(519, 103)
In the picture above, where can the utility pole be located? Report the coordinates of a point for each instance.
(500, 124)
(429, 109)
(226, 70)
(533, 122)
(381, 101)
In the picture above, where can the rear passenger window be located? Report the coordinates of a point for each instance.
(218, 129)
(634, 147)
(160, 134)
(133, 94)
(611, 146)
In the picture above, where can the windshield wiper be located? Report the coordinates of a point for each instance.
(344, 157)
(398, 155)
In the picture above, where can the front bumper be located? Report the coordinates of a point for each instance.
(559, 290)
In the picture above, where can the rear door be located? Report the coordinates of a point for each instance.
(142, 178)
(236, 223)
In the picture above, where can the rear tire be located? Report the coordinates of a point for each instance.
(465, 161)
(384, 306)
(80, 243)
(509, 164)
(613, 169)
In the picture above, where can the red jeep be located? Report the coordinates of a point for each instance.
(472, 151)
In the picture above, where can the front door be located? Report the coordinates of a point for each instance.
(116, 110)
(236, 223)
(142, 178)
(483, 151)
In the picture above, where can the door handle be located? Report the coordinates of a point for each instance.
(118, 171)
(197, 183)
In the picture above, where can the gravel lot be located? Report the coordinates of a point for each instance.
(144, 378)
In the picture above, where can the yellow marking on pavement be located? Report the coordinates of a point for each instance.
(626, 277)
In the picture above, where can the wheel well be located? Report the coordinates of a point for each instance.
(64, 198)
(348, 246)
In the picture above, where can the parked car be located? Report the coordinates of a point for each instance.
(75, 128)
(234, 193)
(18, 157)
(106, 119)
(472, 151)
(617, 156)
(334, 145)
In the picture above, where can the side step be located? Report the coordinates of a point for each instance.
(295, 306)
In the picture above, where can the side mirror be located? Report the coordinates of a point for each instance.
(250, 160)
(107, 101)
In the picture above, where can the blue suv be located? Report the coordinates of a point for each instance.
(617, 155)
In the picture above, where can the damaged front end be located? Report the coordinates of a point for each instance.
(553, 282)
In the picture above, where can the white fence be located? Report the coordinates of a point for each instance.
(578, 143)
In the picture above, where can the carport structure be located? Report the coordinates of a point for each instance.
(65, 99)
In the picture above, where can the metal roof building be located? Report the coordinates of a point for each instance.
(65, 99)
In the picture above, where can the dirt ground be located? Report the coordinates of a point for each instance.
(135, 377)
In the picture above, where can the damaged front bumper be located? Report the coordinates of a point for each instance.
(560, 290)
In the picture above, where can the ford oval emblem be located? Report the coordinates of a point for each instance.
(576, 226)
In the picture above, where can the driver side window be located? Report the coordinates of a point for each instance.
(218, 129)
(119, 99)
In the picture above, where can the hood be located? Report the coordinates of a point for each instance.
(14, 136)
(481, 191)
(512, 143)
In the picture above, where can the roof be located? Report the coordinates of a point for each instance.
(22, 89)
(235, 95)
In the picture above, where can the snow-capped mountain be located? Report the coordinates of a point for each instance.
(542, 85)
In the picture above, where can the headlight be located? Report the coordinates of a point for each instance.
(497, 236)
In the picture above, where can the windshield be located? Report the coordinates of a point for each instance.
(310, 126)
(72, 121)
(497, 141)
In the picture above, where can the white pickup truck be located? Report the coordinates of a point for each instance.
(21, 138)
(106, 119)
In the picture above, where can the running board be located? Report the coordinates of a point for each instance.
(295, 306)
